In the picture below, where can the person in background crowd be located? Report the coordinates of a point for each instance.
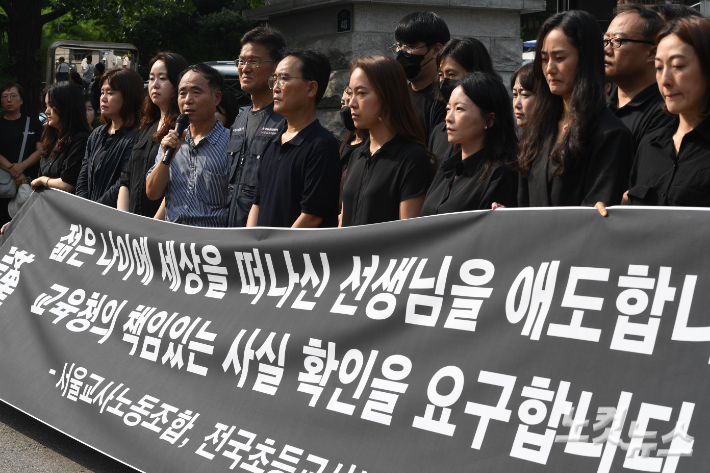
(90, 111)
(195, 181)
(673, 162)
(125, 61)
(63, 70)
(84, 61)
(420, 37)
(480, 122)
(629, 52)
(299, 175)
(64, 140)
(160, 112)
(522, 84)
(457, 58)
(109, 146)
(228, 108)
(670, 13)
(574, 150)
(20, 137)
(88, 73)
(388, 176)
(75, 79)
(256, 127)
(99, 70)
(353, 136)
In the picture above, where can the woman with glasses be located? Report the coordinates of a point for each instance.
(160, 112)
(388, 175)
(574, 150)
(20, 137)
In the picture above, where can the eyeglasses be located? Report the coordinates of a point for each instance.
(395, 48)
(253, 63)
(10, 97)
(616, 42)
(280, 79)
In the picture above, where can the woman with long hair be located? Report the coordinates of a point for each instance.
(480, 122)
(388, 175)
(574, 150)
(457, 58)
(64, 140)
(522, 84)
(160, 112)
(110, 145)
(673, 163)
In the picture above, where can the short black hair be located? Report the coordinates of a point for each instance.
(269, 37)
(653, 23)
(314, 66)
(9, 85)
(215, 79)
(228, 106)
(427, 27)
(671, 13)
(100, 67)
(470, 53)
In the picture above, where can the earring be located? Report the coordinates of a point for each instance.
(485, 127)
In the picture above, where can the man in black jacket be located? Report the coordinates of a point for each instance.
(256, 127)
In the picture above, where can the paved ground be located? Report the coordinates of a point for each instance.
(27, 445)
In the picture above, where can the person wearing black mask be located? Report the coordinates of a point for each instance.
(457, 58)
(420, 37)
(480, 122)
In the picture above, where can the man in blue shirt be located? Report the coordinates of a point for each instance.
(195, 181)
(299, 177)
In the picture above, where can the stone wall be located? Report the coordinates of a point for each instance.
(312, 24)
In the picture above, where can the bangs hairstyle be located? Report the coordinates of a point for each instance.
(470, 53)
(694, 31)
(175, 64)
(586, 103)
(268, 37)
(387, 78)
(526, 77)
(70, 104)
(129, 83)
(489, 94)
(20, 91)
(652, 21)
(315, 66)
(424, 26)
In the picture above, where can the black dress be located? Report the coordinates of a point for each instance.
(135, 173)
(460, 185)
(377, 183)
(67, 164)
(602, 177)
(661, 176)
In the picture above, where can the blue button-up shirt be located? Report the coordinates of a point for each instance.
(197, 193)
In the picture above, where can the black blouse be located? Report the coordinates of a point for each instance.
(134, 174)
(376, 184)
(67, 164)
(602, 177)
(459, 187)
(439, 144)
(660, 177)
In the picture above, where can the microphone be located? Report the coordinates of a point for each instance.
(180, 125)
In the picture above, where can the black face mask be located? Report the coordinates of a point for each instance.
(347, 119)
(446, 87)
(412, 64)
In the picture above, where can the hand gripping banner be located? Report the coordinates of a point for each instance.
(530, 340)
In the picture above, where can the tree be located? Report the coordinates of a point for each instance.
(22, 22)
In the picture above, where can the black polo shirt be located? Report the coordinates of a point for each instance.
(659, 177)
(643, 114)
(299, 176)
(429, 111)
(460, 185)
(377, 183)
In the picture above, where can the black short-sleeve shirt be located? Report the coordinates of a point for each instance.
(299, 176)
(67, 164)
(460, 185)
(643, 114)
(439, 143)
(377, 183)
(661, 176)
(11, 135)
(429, 110)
